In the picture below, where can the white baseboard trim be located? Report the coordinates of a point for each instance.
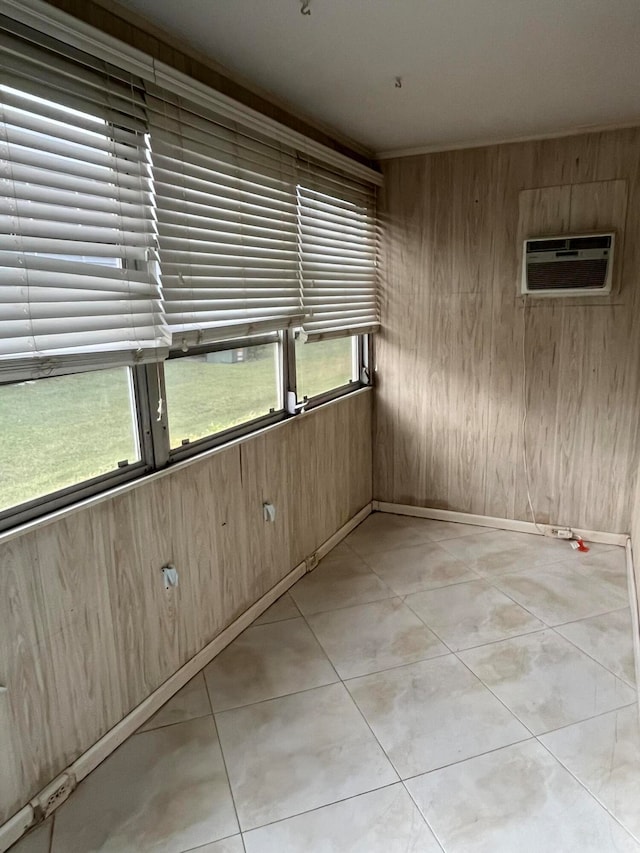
(632, 581)
(499, 523)
(13, 829)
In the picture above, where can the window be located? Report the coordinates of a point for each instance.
(213, 391)
(322, 366)
(60, 431)
(170, 277)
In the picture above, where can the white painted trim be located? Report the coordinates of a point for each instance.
(116, 491)
(498, 523)
(45, 18)
(13, 829)
(487, 141)
(634, 604)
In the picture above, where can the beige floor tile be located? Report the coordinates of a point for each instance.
(502, 551)
(188, 704)
(470, 614)
(419, 567)
(227, 845)
(606, 563)
(162, 791)
(289, 755)
(604, 754)
(608, 639)
(267, 661)
(516, 800)
(375, 636)
(429, 714)
(438, 531)
(383, 821)
(37, 841)
(283, 608)
(383, 531)
(562, 592)
(546, 681)
(342, 579)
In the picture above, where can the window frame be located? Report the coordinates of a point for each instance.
(208, 442)
(360, 370)
(26, 511)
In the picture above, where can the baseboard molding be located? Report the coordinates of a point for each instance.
(13, 829)
(498, 523)
(634, 604)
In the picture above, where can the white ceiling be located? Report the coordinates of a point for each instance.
(472, 70)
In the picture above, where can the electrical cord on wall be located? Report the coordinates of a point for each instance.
(525, 415)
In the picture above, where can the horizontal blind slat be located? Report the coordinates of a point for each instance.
(78, 237)
(32, 182)
(227, 229)
(62, 230)
(73, 206)
(338, 256)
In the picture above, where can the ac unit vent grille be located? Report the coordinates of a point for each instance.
(563, 275)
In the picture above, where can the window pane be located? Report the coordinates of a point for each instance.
(323, 365)
(61, 431)
(209, 393)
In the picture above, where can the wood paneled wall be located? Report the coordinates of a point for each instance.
(87, 630)
(449, 406)
(634, 580)
(635, 531)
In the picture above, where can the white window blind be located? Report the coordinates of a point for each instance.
(338, 249)
(226, 206)
(79, 279)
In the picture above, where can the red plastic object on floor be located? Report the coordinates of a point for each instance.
(578, 545)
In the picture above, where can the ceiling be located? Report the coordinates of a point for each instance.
(473, 71)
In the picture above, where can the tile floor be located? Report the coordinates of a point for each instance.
(429, 687)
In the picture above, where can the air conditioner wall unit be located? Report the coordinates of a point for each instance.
(570, 265)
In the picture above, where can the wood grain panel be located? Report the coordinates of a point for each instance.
(73, 560)
(439, 325)
(209, 547)
(635, 546)
(544, 211)
(87, 630)
(317, 507)
(354, 421)
(596, 203)
(144, 618)
(265, 479)
(513, 169)
(449, 407)
(26, 705)
(407, 216)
